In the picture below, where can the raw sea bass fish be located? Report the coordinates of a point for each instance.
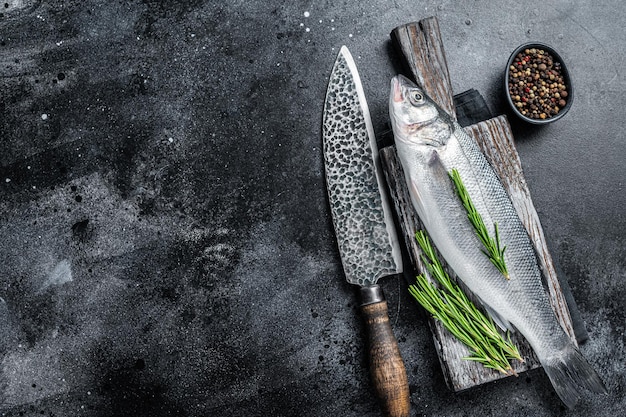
(430, 145)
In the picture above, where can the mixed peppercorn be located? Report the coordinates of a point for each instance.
(536, 84)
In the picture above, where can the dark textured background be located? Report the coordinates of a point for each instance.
(165, 236)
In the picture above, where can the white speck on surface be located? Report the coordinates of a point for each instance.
(7, 180)
(44, 116)
(307, 14)
(350, 35)
(301, 25)
(307, 29)
(170, 140)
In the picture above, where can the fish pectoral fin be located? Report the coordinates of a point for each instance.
(502, 323)
(418, 202)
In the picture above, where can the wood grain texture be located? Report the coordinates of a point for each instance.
(421, 45)
(386, 365)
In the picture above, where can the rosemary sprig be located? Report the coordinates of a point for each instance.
(460, 316)
(493, 248)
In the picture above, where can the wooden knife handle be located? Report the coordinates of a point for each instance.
(386, 364)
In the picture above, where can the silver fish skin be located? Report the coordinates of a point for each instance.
(429, 145)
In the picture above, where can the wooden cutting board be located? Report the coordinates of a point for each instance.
(421, 46)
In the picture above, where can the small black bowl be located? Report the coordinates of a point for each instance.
(566, 78)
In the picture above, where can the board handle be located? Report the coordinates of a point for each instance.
(386, 365)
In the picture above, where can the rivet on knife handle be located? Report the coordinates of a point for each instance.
(386, 365)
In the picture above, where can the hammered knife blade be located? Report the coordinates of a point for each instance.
(361, 213)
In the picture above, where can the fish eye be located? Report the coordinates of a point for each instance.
(416, 97)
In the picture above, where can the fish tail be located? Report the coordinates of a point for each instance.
(568, 370)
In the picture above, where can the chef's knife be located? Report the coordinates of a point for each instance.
(368, 244)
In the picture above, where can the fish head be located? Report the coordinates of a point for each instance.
(415, 117)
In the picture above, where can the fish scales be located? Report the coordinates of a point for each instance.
(429, 145)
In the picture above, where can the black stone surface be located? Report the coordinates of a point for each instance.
(164, 229)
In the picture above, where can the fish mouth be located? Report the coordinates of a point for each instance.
(418, 125)
(400, 83)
